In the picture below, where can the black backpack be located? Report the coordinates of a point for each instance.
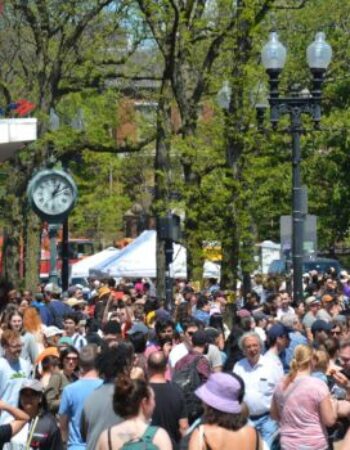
(188, 379)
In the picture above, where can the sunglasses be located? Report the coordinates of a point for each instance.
(71, 358)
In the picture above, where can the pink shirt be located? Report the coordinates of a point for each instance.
(300, 424)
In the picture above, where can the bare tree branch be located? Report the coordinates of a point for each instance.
(126, 147)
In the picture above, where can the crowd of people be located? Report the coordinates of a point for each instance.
(107, 367)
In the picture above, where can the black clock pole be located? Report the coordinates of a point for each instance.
(53, 230)
(65, 245)
(65, 254)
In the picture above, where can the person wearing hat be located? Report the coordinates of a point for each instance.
(330, 308)
(224, 424)
(52, 335)
(54, 309)
(104, 294)
(42, 432)
(320, 330)
(313, 305)
(277, 341)
(75, 303)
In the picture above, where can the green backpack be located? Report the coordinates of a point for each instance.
(142, 443)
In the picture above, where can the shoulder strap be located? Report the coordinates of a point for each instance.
(201, 436)
(149, 433)
(109, 437)
(207, 446)
(257, 440)
(291, 390)
(196, 360)
(31, 432)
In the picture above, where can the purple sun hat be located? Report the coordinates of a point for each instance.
(221, 391)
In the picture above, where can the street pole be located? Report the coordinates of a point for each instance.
(53, 230)
(65, 255)
(168, 246)
(65, 245)
(168, 231)
(297, 213)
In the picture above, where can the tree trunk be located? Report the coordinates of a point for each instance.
(192, 237)
(12, 240)
(32, 251)
(162, 171)
(235, 127)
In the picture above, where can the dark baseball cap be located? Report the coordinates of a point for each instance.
(278, 330)
(321, 325)
(138, 328)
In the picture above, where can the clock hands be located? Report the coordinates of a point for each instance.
(58, 189)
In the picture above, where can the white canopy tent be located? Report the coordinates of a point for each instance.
(81, 268)
(138, 259)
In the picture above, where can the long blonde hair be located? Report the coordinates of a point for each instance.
(302, 358)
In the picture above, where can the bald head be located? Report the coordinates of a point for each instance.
(157, 362)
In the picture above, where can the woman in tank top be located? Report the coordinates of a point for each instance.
(224, 422)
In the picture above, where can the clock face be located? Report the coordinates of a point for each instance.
(53, 194)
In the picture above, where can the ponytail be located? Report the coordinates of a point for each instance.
(302, 358)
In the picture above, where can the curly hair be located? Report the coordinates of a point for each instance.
(112, 362)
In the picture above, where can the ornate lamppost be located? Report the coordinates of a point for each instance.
(319, 55)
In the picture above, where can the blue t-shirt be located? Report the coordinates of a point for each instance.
(296, 338)
(59, 308)
(72, 403)
(203, 316)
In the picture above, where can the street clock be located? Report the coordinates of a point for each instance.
(52, 194)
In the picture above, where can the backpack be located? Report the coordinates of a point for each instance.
(188, 379)
(145, 442)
